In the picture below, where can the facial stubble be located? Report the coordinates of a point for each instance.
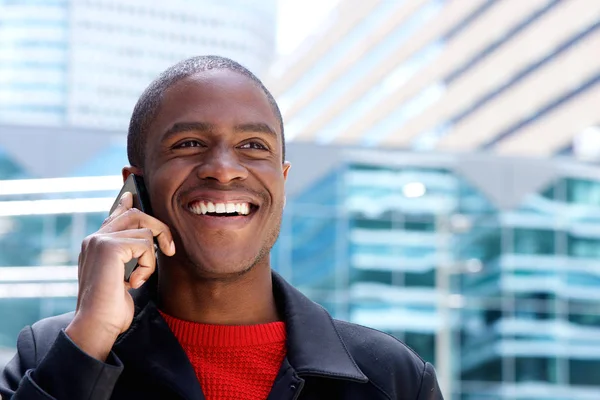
(199, 272)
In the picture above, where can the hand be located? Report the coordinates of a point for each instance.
(104, 306)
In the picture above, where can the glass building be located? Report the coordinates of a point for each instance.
(42, 224)
(502, 76)
(488, 267)
(85, 62)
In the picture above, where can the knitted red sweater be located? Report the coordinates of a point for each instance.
(232, 362)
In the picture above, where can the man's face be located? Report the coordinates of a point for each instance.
(215, 174)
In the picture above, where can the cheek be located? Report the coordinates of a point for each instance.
(271, 177)
(278, 190)
(165, 181)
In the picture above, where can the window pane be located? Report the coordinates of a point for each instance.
(313, 251)
(584, 313)
(535, 369)
(24, 245)
(93, 221)
(419, 223)
(588, 320)
(581, 191)
(482, 244)
(533, 241)
(490, 371)
(534, 306)
(583, 247)
(584, 372)
(422, 343)
(420, 279)
(15, 314)
(374, 224)
(371, 275)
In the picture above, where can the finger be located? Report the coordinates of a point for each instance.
(125, 203)
(141, 233)
(146, 267)
(143, 250)
(136, 219)
(138, 277)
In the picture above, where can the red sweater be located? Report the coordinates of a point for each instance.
(232, 362)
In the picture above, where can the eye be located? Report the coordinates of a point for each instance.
(188, 143)
(253, 146)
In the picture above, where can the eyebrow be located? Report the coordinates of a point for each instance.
(188, 127)
(259, 127)
(208, 127)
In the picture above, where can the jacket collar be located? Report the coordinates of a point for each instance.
(151, 347)
(314, 346)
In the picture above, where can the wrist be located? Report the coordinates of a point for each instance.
(93, 338)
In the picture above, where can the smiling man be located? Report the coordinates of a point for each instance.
(204, 317)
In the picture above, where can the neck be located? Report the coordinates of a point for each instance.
(244, 300)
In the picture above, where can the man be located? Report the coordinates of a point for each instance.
(214, 322)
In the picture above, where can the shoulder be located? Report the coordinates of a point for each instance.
(371, 344)
(41, 335)
(385, 360)
(53, 325)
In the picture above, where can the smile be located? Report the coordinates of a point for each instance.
(221, 209)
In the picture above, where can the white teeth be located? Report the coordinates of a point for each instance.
(220, 208)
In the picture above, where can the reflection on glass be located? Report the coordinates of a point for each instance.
(583, 191)
(584, 372)
(536, 369)
(534, 241)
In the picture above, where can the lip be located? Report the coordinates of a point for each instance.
(214, 222)
(215, 196)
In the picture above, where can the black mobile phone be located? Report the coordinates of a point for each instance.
(135, 185)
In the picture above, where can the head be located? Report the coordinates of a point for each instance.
(207, 137)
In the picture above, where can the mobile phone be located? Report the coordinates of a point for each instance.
(135, 185)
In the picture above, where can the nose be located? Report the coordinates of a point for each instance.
(221, 164)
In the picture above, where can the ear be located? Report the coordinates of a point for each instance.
(286, 169)
(130, 170)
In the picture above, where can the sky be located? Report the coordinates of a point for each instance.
(297, 19)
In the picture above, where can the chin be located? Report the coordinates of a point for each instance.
(226, 267)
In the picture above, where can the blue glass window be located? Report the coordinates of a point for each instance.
(534, 241)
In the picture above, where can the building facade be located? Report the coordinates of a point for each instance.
(85, 62)
(510, 77)
(487, 266)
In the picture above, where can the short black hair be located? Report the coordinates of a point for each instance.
(149, 102)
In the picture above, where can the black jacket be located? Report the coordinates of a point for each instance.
(326, 359)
